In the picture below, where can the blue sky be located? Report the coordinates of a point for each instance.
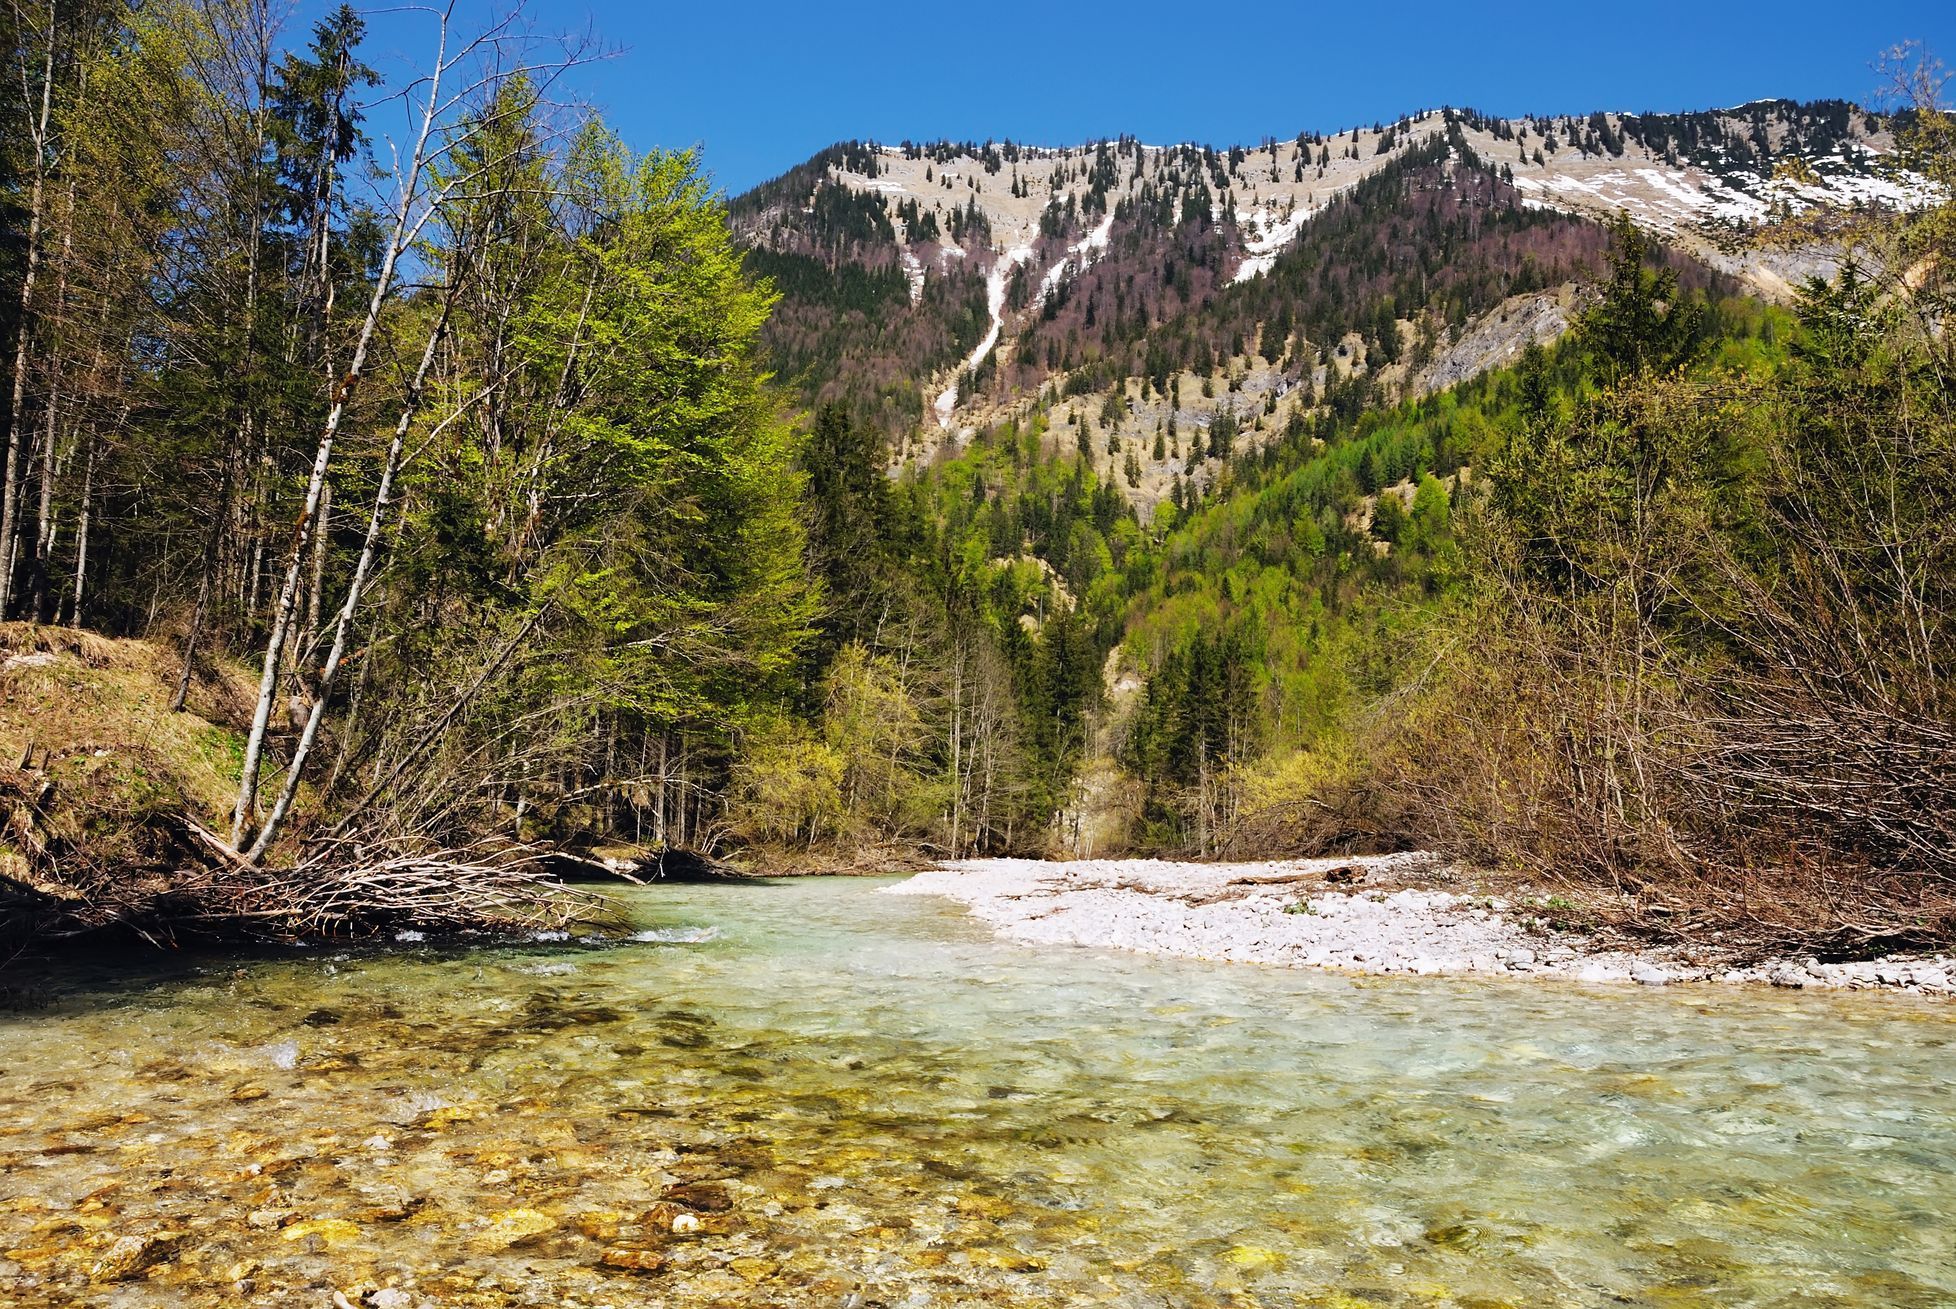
(763, 84)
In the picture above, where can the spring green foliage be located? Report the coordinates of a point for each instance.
(651, 507)
(1278, 616)
(584, 587)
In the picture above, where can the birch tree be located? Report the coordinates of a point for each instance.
(443, 100)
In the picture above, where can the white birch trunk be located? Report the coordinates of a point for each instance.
(405, 229)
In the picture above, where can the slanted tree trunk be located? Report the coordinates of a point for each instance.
(362, 569)
(406, 229)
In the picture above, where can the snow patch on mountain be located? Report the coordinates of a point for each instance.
(1098, 238)
(1659, 198)
(1672, 200)
(1079, 256)
(1264, 237)
(995, 280)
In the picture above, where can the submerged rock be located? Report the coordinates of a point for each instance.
(707, 1197)
(1253, 1256)
(515, 1226)
(634, 1261)
(330, 1231)
(131, 1256)
(601, 1224)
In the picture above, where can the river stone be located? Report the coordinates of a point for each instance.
(328, 1231)
(131, 1256)
(515, 1226)
(660, 1216)
(601, 1224)
(635, 1261)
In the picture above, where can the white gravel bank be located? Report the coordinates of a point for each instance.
(1283, 912)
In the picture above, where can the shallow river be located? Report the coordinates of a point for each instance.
(900, 1111)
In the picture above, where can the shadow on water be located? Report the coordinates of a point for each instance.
(73, 973)
(685, 867)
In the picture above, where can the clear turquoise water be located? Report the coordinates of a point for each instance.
(907, 1112)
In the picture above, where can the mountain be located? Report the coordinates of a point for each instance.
(1137, 468)
(1166, 298)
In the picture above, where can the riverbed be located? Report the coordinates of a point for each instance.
(809, 1093)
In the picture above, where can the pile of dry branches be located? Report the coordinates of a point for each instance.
(168, 879)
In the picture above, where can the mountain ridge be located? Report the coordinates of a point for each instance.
(939, 288)
(983, 237)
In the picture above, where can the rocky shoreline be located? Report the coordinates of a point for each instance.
(1321, 913)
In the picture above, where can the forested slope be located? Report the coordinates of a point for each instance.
(1594, 614)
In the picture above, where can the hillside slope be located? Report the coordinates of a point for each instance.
(936, 288)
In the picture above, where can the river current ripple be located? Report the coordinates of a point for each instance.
(805, 1093)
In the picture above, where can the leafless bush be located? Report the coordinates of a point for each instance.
(1761, 754)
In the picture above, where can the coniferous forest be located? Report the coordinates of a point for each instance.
(386, 524)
